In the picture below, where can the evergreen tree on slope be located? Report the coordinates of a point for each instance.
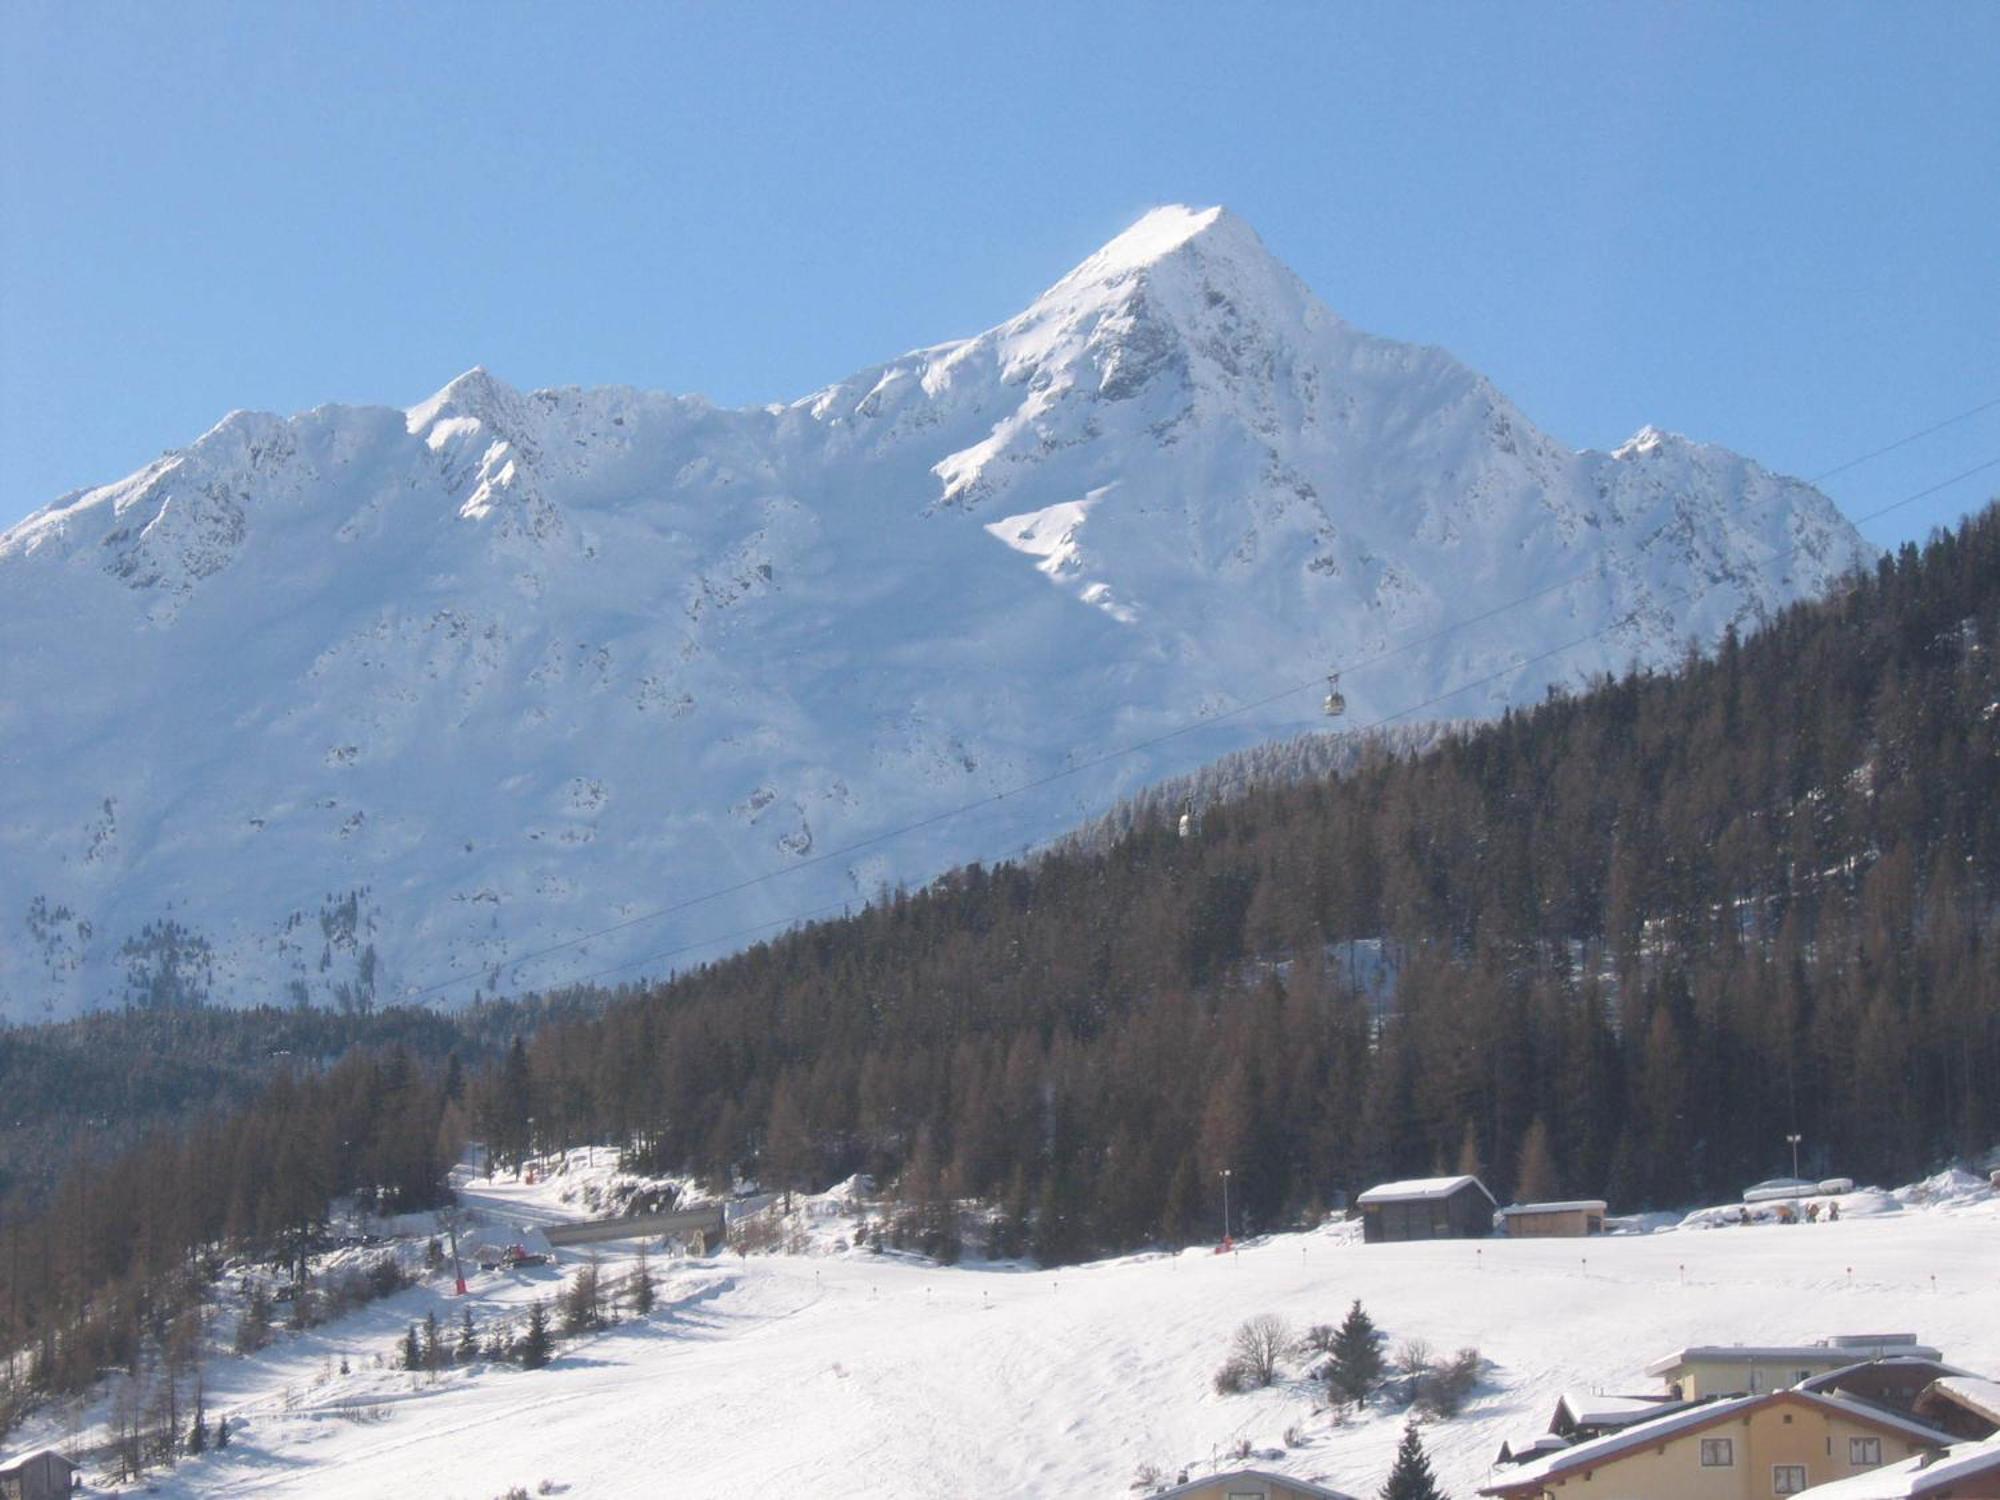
(1411, 1478)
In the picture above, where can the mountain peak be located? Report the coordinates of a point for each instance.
(1157, 234)
(1162, 234)
(476, 393)
(1648, 439)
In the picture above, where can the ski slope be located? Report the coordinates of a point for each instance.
(838, 1374)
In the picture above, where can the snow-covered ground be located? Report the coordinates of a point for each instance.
(850, 1373)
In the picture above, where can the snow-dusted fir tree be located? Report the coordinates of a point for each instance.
(1411, 1478)
(1357, 1357)
(537, 1343)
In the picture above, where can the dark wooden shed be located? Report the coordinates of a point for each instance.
(1427, 1208)
(40, 1476)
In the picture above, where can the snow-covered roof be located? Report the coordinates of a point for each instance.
(1643, 1434)
(1577, 1205)
(1745, 1354)
(1832, 1378)
(1419, 1190)
(1521, 1451)
(1254, 1476)
(1925, 1474)
(1972, 1393)
(1595, 1410)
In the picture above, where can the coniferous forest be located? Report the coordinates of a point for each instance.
(1629, 941)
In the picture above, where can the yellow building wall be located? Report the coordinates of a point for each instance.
(1699, 1378)
(1762, 1441)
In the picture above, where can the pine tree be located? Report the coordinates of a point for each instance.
(644, 1291)
(1535, 1176)
(537, 1343)
(468, 1340)
(1180, 1219)
(253, 1328)
(197, 1438)
(1357, 1357)
(221, 1433)
(580, 1312)
(1011, 1232)
(433, 1353)
(1468, 1152)
(413, 1350)
(1411, 1478)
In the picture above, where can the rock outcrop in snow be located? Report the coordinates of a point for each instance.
(348, 705)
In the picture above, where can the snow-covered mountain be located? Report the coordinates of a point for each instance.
(366, 703)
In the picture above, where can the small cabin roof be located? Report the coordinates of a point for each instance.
(1574, 1206)
(1593, 1409)
(1419, 1190)
(1257, 1476)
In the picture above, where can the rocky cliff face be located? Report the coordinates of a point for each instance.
(364, 703)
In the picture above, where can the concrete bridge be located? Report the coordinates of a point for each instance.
(702, 1227)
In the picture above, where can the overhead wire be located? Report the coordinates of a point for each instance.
(1073, 765)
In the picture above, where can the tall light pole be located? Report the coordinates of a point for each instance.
(1225, 1205)
(1795, 1138)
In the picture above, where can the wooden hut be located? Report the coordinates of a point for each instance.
(1529, 1221)
(40, 1476)
(1426, 1208)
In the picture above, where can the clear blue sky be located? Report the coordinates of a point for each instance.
(1772, 226)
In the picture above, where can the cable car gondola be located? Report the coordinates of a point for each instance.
(1336, 701)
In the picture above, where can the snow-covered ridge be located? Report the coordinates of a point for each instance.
(347, 704)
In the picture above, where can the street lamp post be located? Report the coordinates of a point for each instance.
(1225, 1205)
(1795, 1138)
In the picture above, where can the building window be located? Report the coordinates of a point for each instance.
(1864, 1453)
(1787, 1479)
(1718, 1453)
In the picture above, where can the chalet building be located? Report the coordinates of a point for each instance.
(1968, 1471)
(1896, 1382)
(1962, 1405)
(1529, 1221)
(40, 1476)
(1735, 1448)
(1250, 1484)
(1526, 1450)
(1754, 1369)
(1426, 1208)
(1582, 1415)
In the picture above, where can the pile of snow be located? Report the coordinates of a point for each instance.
(1862, 1203)
(1952, 1188)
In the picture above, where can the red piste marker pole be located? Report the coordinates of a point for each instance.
(457, 1267)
